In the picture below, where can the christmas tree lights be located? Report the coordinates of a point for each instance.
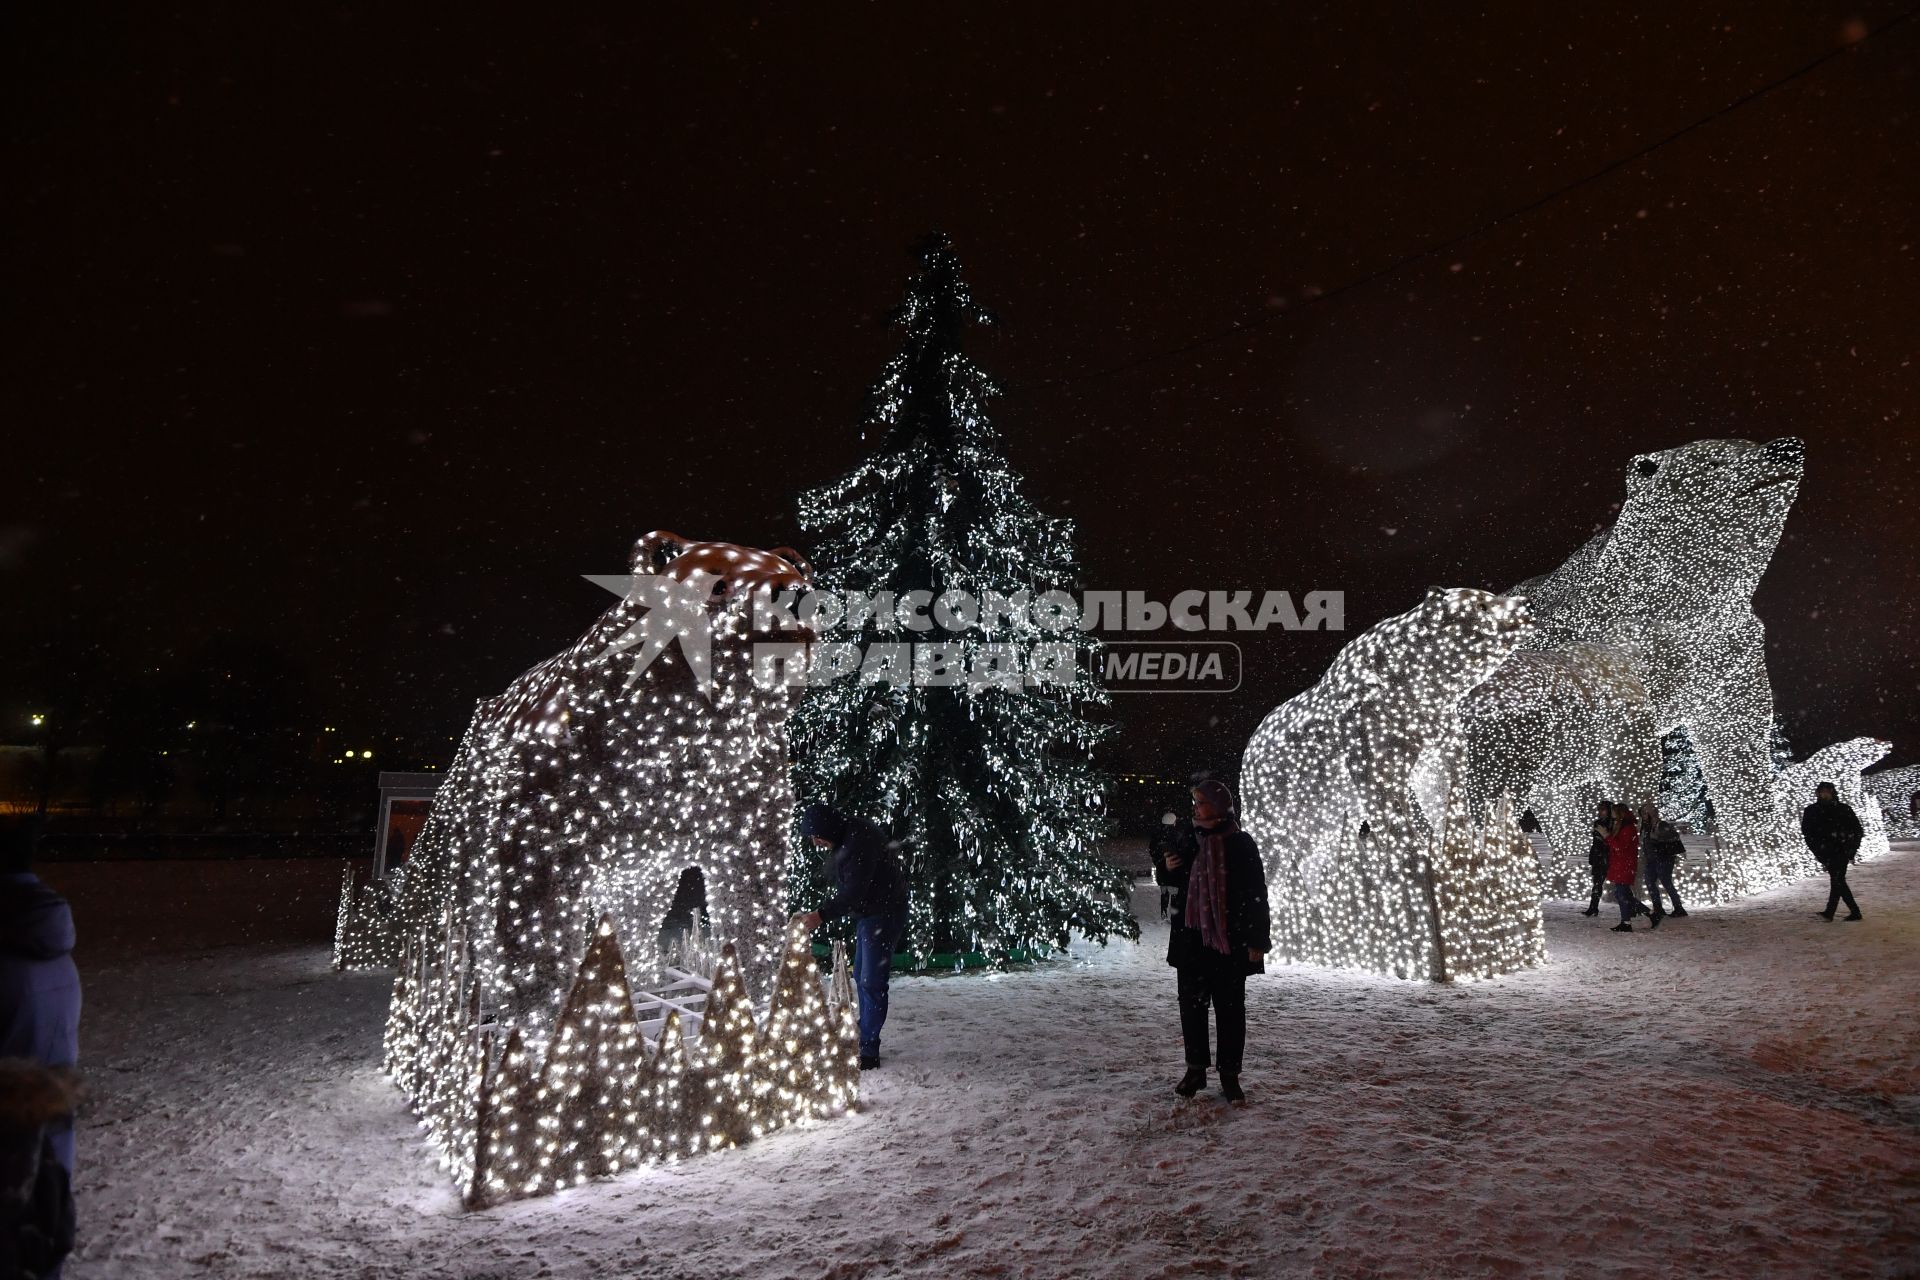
(991, 788)
(1357, 793)
(528, 928)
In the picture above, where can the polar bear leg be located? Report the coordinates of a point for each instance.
(1730, 737)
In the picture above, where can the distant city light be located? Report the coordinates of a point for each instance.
(38, 720)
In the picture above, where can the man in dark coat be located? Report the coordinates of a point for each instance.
(1219, 932)
(39, 987)
(1598, 856)
(1832, 831)
(870, 886)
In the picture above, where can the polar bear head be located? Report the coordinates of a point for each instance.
(1458, 637)
(1402, 680)
(1704, 518)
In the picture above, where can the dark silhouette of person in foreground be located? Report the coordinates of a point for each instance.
(39, 1045)
(1832, 832)
(870, 886)
(1219, 932)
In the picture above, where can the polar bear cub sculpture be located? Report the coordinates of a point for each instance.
(1355, 792)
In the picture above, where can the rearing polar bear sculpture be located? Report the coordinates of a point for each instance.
(1651, 625)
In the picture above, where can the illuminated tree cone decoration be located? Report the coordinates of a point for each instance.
(1896, 793)
(1841, 764)
(362, 936)
(1356, 792)
(1667, 592)
(510, 1121)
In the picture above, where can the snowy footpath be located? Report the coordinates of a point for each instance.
(1736, 1095)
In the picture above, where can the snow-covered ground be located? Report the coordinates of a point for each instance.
(1735, 1095)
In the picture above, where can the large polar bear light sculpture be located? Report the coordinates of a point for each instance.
(1355, 791)
(533, 1024)
(1647, 628)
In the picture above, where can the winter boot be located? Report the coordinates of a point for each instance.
(1658, 916)
(1230, 1089)
(1191, 1083)
(869, 1061)
(1825, 915)
(1591, 911)
(1854, 916)
(1679, 912)
(1623, 927)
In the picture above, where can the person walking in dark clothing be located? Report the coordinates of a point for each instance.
(1219, 933)
(1660, 847)
(1832, 832)
(39, 986)
(870, 886)
(1623, 863)
(1598, 856)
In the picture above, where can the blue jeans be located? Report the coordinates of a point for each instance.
(1659, 873)
(875, 938)
(1630, 906)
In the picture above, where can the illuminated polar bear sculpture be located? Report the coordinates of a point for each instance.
(1654, 619)
(532, 1025)
(1896, 792)
(601, 775)
(1355, 792)
(1561, 729)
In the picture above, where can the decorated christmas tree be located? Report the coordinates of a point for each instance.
(1779, 750)
(1683, 788)
(989, 784)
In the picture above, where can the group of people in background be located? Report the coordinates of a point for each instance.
(1629, 846)
(1626, 845)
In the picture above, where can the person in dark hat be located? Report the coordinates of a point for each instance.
(1833, 833)
(1219, 933)
(870, 886)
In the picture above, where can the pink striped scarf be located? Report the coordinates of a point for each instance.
(1206, 907)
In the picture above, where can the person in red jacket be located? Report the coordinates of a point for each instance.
(1623, 864)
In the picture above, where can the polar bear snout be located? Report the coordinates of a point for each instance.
(1788, 453)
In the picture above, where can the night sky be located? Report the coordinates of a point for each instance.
(360, 333)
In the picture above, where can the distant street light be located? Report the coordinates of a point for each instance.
(38, 720)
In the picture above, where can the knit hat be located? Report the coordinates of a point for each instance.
(820, 822)
(1216, 793)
